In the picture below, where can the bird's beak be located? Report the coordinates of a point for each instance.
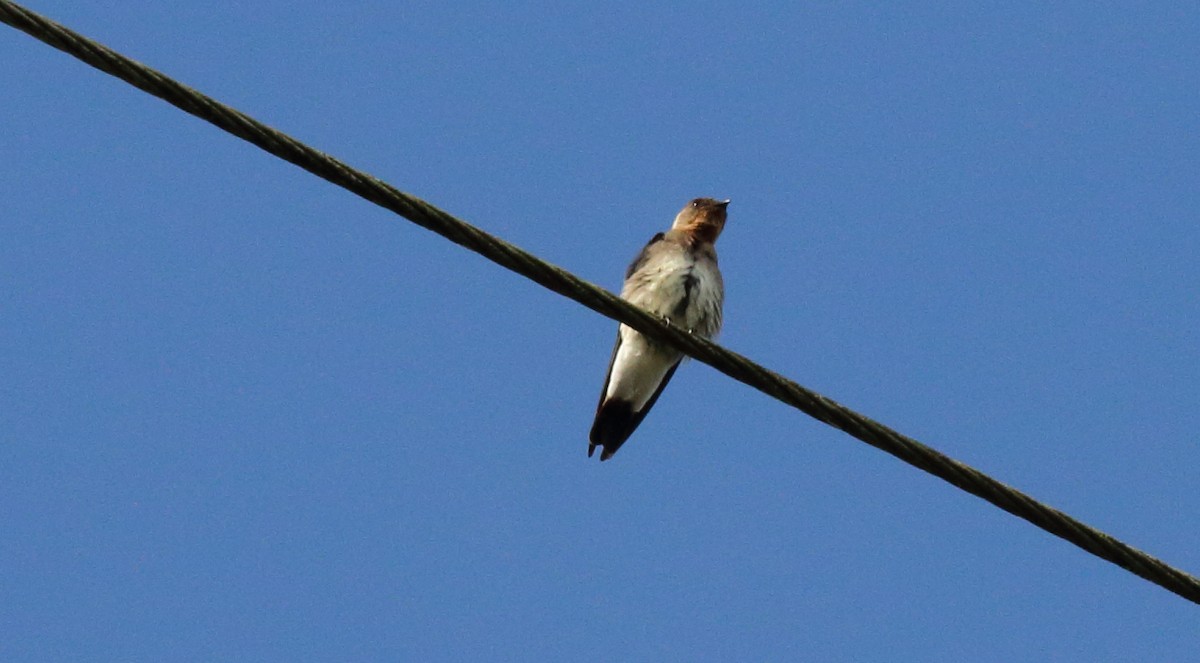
(724, 203)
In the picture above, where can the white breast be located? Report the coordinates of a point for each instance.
(703, 311)
(678, 286)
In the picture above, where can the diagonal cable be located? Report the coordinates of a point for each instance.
(563, 282)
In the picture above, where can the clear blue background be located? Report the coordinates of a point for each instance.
(246, 415)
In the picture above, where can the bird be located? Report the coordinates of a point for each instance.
(676, 278)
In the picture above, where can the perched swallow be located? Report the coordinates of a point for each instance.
(676, 278)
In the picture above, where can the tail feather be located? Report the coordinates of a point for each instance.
(616, 419)
(615, 422)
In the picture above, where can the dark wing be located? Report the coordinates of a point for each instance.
(608, 376)
(641, 257)
(616, 420)
(603, 390)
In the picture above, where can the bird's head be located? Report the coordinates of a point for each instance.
(704, 218)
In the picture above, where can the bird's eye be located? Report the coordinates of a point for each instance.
(695, 204)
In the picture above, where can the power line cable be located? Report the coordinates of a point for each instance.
(563, 282)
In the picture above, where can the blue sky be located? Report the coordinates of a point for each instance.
(247, 415)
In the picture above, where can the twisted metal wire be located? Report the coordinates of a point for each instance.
(564, 283)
